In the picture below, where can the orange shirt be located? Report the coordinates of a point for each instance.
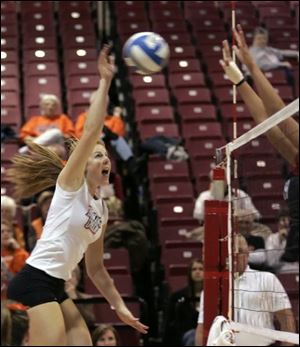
(114, 123)
(14, 260)
(37, 125)
(37, 225)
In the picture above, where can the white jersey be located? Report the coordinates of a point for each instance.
(75, 220)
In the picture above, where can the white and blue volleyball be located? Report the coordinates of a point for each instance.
(146, 52)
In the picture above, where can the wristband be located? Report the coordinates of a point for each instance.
(242, 81)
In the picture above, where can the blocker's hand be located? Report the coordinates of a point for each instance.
(106, 64)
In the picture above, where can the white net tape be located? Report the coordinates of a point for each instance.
(229, 333)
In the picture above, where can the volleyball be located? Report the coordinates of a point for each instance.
(146, 52)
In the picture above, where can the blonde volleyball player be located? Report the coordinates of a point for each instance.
(74, 227)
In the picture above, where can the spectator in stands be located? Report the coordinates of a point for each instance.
(74, 228)
(43, 204)
(8, 213)
(276, 242)
(12, 253)
(113, 135)
(243, 201)
(269, 58)
(259, 299)
(183, 309)
(106, 335)
(257, 252)
(284, 137)
(49, 128)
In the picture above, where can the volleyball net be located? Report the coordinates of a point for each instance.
(259, 295)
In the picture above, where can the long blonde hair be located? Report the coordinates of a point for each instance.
(36, 171)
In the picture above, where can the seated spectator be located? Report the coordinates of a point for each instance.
(6, 326)
(269, 58)
(242, 201)
(113, 136)
(248, 226)
(257, 252)
(8, 213)
(183, 309)
(50, 118)
(12, 253)
(113, 203)
(276, 242)
(106, 335)
(167, 147)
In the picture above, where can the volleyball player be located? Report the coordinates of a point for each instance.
(74, 227)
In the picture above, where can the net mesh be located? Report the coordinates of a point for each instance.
(264, 272)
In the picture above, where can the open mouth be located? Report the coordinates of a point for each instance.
(105, 172)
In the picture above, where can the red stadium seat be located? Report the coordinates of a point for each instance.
(152, 114)
(290, 282)
(279, 22)
(155, 96)
(170, 26)
(269, 207)
(260, 145)
(203, 147)
(224, 95)
(155, 81)
(80, 55)
(11, 115)
(9, 84)
(79, 6)
(40, 42)
(186, 79)
(285, 92)
(170, 13)
(201, 166)
(213, 65)
(9, 43)
(81, 67)
(208, 25)
(73, 29)
(240, 111)
(163, 191)
(10, 99)
(257, 187)
(180, 252)
(243, 125)
(166, 129)
(79, 97)
(177, 232)
(131, 27)
(8, 150)
(175, 39)
(132, 15)
(166, 170)
(260, 166)
(83, 82)
(174, 211)
(9, 56)
(182, 52)
(219, 79)
(184, 65)
(201, 129)
(40, 55)
(9, 30)
(42, 69)
(80, 41)
(192, 95)
(9, 70)
(197, 112)
(211, 50)
(36, 6)
(116, 257)
(8, 7)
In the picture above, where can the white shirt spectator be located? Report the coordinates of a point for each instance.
(275, 247)
(257, 296)
(243, 202)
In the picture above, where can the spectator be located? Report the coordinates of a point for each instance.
(242, 201)
(50, 119)
(12, 253)
(8, 213)
(183, 309)
(248, 226)
(259, 299)
(269, 58)
(113, 136)
(106, 335)
(276, 242)
(257, 252)
(6, 326)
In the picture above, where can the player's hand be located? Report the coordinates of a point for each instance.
(106, 64)
(230, 68)
(126, 316)
(242, 50)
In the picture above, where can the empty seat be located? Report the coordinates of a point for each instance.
(9, 43)
(10, 99)
(174, 211)
(186, 79)
(131, 27)
(180, 252)
(184, 65)
(165, 129)
(169, 26)
(9, 84)
(290, 282)
(79, 41)
(167, 170)
(260, 145)
(182, 52)
(9, 69)
(269, 207)
(116, 257)
(177, 232)
(200, 129)
(225, 94)
(260, 166)
(159, 96)
(155, 81)
(42, 69)
(197, 112)
(40, 42)
(9, 56)
(79, 55)
(81, 67)
(36, 6)
(152, 114)
(243, 125)
(83, 82)
(40, 55)
(192, 95)
(163, 191)
(265, 187)
(8, 150)
(11, 115)
(201, 166)
(203, 147)
(79, 97)
(176, 39)
(240, 111)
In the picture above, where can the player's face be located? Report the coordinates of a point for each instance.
(107, 339)
(99, 166)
